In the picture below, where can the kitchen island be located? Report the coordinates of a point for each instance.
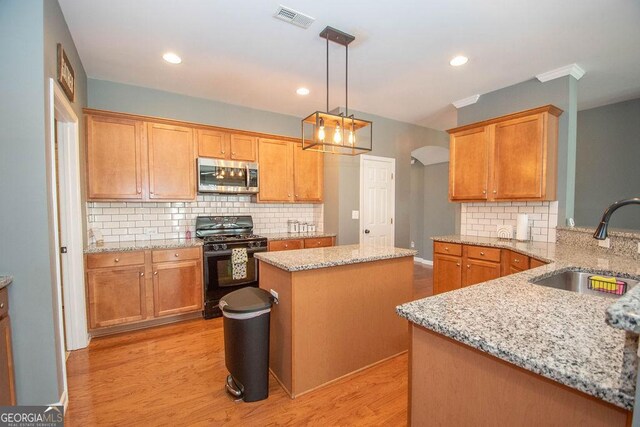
(336, 311)
(509, 352)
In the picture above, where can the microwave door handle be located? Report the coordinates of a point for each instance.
(246, 175)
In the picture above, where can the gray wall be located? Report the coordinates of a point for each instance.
(124, 98)
(417, 214)
(391, 138)
(608, 150)
(563, 93)
(439, 213)
(27, 32)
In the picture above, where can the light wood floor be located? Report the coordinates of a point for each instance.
(174, 375)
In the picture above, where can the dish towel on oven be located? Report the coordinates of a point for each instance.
(239, 259)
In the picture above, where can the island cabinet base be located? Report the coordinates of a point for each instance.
(452, 384)
(332, 322)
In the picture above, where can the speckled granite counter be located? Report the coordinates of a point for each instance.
(5, 280)
(560, 335)
(310, 259)
(143, 245)
(288, 236)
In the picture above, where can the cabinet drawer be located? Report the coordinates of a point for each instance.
(4, 302)
(318, 242)
(447, 248)
(166, 255)
(518, 261)
(534, 263)
(115, 259)
(481, 252)
(286, 245)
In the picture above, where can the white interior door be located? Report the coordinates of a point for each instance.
(377, 200)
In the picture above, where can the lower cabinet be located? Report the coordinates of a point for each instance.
(131, 289)
(7, 378)
(177, 287)
(291, 244)
(456, 265)
(115, 296)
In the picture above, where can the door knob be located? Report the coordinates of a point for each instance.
(367, 231)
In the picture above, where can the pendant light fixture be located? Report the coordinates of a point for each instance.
(337, 133)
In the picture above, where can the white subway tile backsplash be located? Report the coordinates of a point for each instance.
(130, 221)
(482, 219)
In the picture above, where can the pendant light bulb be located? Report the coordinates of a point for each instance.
(337, 135)
(352, 137)
(321, 134)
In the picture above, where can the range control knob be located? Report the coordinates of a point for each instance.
(223, 246)
(216, 247)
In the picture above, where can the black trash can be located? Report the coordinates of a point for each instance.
(247, 312)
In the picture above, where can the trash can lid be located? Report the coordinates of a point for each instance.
(246, 300)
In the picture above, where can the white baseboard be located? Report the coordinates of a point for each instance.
(423, 261)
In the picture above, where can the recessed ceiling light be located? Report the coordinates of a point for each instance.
(172, 58)
(302, 91)
(459, 60)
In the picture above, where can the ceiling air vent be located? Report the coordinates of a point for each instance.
(293, 17)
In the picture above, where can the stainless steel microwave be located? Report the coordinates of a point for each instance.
(227, 176)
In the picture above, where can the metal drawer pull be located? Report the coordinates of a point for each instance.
(516, 260)
(117, 260)
(468, 266)
(446, 249)
(141, 274)
(482, 253)
(155, 273)
(176, 255)
(457, 264)
(1, 305)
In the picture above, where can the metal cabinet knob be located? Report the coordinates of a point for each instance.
(495, 191)
(516, 260)
(482, 253)
(457, 264)
(468, 266)
(155, 273)
(139, 191)
(446, 249)
(116, 260)
(176, 255)
(484, 191)
(141, 274)
(1, 305)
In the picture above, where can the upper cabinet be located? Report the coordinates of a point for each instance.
(114, 158)
(288, 173)
(512, 157)
(134, 159)
(171, 162)
(225, 145)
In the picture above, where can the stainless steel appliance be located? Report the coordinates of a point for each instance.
(221, 234)
(227, 176)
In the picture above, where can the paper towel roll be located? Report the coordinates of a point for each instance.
(522, 227)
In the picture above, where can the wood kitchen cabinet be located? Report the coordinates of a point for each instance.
(535, 263)
(226, 145)
(480, 264)
(130, 159)
(288, 173)
(116, 295)
(177, 281)
(7, 377)
(307, 243)
(447, 267)
(171, 162)
(115, 157)
(132, 290)
(512, 157)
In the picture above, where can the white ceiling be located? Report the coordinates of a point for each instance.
(236, 52)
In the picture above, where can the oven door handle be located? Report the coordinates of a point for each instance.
(228, 252)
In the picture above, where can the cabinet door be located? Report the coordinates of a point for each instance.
(285, 245)
(447, 272)
(213, 143)
(177, 287)
(276, 170)
(243, 147)
(171, 162)
(7, 381)
(469, 164)
(519, 159)
(114, 158)
(308, 175)
(477, 271)
(116, 296)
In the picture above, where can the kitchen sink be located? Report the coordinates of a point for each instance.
(578, 281)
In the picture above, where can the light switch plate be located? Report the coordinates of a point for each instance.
(355, 214)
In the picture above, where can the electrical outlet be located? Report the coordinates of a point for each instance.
(355, 214)
(606, 243)
(413, 244)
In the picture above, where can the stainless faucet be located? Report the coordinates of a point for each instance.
(601, 231)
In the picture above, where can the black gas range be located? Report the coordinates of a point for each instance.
(221, 235)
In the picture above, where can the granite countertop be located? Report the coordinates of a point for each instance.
(310, 259)
(287, 236)
(143, 245)
(5, 280)
(558, 334)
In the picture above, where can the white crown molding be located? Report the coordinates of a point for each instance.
(568, 70)
(466, 101)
